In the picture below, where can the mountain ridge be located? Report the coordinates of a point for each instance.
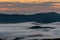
(39, 17)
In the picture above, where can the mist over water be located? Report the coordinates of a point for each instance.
(11, 31)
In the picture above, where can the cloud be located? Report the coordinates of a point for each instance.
(25, 8)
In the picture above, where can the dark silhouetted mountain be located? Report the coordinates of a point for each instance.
(39, 17)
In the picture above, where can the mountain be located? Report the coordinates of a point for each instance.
(38, 17)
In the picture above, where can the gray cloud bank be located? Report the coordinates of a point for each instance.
(25, 8)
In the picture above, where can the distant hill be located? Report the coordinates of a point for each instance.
(39, 17)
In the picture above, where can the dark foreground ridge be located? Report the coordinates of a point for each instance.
(39, 17)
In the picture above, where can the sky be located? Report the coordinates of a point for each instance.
(29, 6)
(25, 1)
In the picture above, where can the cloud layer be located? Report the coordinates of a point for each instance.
(25, 8)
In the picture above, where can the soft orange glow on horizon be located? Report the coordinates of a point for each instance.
(7, 9)
(29, 6)
(56, 6)
(27, 1)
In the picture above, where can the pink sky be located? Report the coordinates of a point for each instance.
(25, 8)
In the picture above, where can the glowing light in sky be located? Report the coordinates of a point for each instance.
(13, 6)
(26, 1)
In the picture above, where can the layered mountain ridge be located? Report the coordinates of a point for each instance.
(38, 17)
